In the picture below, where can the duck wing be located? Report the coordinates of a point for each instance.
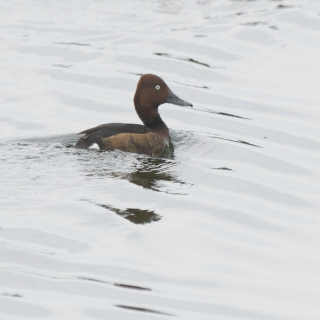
(96, 134)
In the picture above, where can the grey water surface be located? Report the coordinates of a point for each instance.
(224, 224)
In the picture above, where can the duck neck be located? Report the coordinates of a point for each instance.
(150, 116)
(155, 124)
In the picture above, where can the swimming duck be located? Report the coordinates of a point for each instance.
(152, 137)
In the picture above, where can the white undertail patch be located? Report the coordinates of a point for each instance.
(94, 146)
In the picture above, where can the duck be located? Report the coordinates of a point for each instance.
(152, 137)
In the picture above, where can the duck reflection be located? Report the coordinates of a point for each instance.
(150, 173)
(157, 174)
(137, 216)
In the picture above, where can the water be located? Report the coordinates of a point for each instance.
(224, 224)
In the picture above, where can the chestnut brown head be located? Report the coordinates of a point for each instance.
(151, 92)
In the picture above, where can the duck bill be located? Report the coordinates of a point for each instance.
(174, 99)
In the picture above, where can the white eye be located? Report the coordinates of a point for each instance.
(157, 87)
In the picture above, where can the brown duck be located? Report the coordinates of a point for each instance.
(152, 137)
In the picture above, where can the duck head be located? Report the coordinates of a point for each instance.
(151, 92)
